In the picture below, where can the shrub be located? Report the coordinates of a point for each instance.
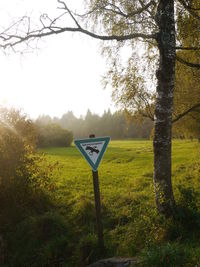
(185, 224)
(187, 213)
(25, 178)
(52, 135)
(172, 255)
(39, 241)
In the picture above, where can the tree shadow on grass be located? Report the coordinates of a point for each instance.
(185, 224)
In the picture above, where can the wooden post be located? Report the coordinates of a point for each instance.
(98, 208)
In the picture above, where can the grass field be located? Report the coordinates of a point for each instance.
(132, 226)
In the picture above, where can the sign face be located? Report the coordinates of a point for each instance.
(93, 149)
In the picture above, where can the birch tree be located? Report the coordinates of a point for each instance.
(147, 23)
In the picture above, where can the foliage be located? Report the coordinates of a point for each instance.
(187, 92)
(26, 179)
(173, 255)
(131, 62)
(165, 255)
(17, 141)
(53, 135)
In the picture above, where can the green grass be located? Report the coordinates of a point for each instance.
(126, 169)
(131, 223)
(55, 225)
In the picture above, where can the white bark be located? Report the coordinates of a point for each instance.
(164, 106)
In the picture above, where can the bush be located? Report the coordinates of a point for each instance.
(185, 223)
(43, 240)
(17, 142)
(52, 135)
(173, 255)
(187, 213)
(25, 178)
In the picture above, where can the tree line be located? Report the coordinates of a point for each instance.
(117, 125)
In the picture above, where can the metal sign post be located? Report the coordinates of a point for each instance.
(93, 150)
(98, 211)
(97, 200)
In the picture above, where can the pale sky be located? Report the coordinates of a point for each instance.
(65, 74)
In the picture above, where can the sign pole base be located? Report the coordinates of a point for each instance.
(98, 211)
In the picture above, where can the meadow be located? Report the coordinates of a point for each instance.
(132, 226)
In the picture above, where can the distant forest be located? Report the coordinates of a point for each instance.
(116, 125)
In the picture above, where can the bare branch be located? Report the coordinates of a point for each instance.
(70, 13)
(10, 40)
(56, 19)
(193, 108)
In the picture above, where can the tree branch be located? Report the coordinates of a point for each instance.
(189, 64)
(140, 10)
(186, 112)
(8, 39)
(70, 13)
(146, 115)
(148, 108)
(115, 9)
(189, 9)
(11, 40)
(150, 13)
(187, 48)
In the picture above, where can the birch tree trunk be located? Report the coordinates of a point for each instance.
(163, 110)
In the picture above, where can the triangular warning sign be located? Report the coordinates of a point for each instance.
(93, 149)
